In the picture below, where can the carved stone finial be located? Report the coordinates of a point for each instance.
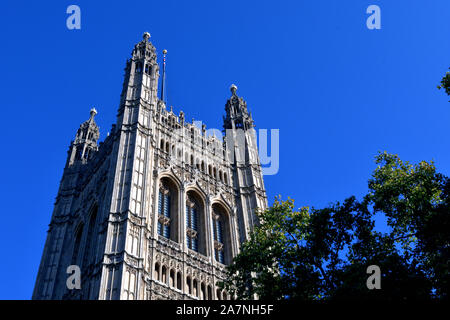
(93, 112)
(233, 89)
(146, 36)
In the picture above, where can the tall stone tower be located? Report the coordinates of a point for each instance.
(159, 208)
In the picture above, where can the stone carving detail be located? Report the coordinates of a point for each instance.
(218, 245)
(191, 233)
(164, 220)
(132, 261)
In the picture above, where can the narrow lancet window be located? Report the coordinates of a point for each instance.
(164, 211)
(219, 247)
(192, 224)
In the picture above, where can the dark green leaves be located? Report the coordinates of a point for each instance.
(312, 253)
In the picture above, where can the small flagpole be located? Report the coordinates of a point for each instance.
(163, 75)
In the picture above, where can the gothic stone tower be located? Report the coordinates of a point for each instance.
(159, 208)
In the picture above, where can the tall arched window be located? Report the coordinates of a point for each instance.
(202, 291)
(90, 238)
(218, 238)
(164, 274)
(221, 234)
(167, 209)
(172, 278)
(210, 295)
(164, 211)
(76, 246)
(189, 285)
(179, 280)
(195, 288)
(195, 222)
(192, 224)
(138, 67)
(156, 275)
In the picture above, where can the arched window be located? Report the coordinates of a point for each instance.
(179, 280)
(192, 224)
(195, 288)
(90, 238)
(167, 224)
(157, 272)
(203, 291)
(148, 69)
(172, 279)
(218, 239)
(189, 285)
(195, 222)
(167, 209)
(222, 244)
(76, 246)
(138, 67)
(164, 274)
(210, 297)
(164, 211)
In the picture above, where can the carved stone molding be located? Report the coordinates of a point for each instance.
(218, 245)
(164, 220)
(191, 233)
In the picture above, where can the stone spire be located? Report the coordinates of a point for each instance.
(237, 115)
(141, 79)
(85, 142)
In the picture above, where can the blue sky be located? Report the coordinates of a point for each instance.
(337, 91)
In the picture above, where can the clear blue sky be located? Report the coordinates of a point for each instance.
(337, 91)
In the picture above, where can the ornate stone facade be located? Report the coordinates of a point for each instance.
(158, 208)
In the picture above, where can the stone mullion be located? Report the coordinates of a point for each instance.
(182, 234)
(155, 216)
(208, 232)
(146, 207)
(233, 235)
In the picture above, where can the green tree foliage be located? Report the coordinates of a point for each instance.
(313, 254)
(445, 83)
